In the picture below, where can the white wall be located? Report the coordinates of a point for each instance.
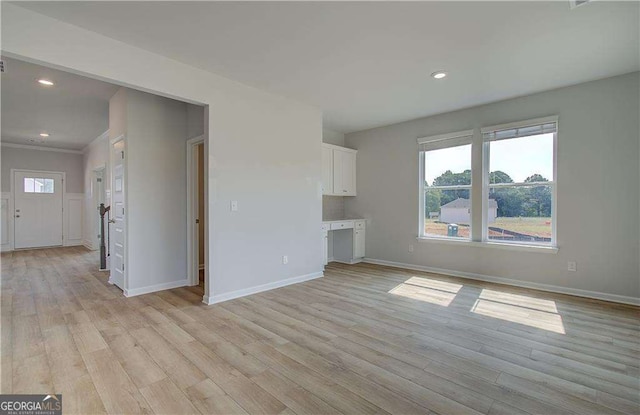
(332, 137)
(195, 121)
(36, 159)
(263, 151)
(598, 198)
(95, 156)
(156, 196)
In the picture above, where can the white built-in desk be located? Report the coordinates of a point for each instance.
(343, 240)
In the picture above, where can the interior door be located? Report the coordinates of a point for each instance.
(37, 209)
(117, 223)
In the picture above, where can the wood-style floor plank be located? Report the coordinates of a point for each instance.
(363, 339)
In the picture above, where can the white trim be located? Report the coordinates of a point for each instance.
(156, 287)
(349, 262)
(66, 219)
(7, 247)
(507, 281)
(260, 288)
(447, 136)
(41, 148)
(193, 262)
(519, 124)
(510, 246)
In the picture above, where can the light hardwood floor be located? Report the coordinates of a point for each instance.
(363, 339)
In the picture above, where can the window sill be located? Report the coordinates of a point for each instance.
(495, 245)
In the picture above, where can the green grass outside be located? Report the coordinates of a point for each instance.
(530, 226)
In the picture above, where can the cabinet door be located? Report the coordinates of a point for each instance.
(327, 171)
(358, 243)
(349, 173)
(344, 173)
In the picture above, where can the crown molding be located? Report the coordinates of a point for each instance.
(41, 148)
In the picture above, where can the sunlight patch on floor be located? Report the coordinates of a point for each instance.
(429, 290)
(521, 309)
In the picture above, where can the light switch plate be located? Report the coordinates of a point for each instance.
(234, 205)
(572, 266)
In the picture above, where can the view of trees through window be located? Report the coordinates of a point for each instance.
(520, 200)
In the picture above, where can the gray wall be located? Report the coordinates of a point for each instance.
(156, 131)
(195, 121)
(21, 158)
(95, 156)
(598, 196)
(332, 137)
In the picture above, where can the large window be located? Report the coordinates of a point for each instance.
(518, 185)
(521, 183)
(446, 186)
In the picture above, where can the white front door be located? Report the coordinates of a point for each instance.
(37, 209)
(117, 223)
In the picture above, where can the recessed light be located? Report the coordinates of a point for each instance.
(439, 74)
(44, 135)
(45, 82)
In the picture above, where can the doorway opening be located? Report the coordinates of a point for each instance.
(196, 212)
(97, 198)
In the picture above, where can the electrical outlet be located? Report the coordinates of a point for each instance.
(285, 259)
(410, 248)
(572, 266)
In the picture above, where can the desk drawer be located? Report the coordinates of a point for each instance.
(347, 224)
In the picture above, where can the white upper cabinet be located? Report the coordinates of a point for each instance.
(338, 171)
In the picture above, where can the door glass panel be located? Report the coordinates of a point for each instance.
(38, 185)
(48, 186)
(28, 185)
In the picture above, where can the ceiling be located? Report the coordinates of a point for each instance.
(367, 64)
(73, 112)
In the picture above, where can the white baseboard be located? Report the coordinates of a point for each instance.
(6, 248)
(507, 281)
(73, 242)
(260, 288)
(350, 262)
(157, 287)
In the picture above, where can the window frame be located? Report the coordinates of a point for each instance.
(456, 139)
(35, 187)
(486, 185)
(484, 169)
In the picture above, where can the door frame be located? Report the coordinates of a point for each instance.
(13, 201)
(193, 263)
